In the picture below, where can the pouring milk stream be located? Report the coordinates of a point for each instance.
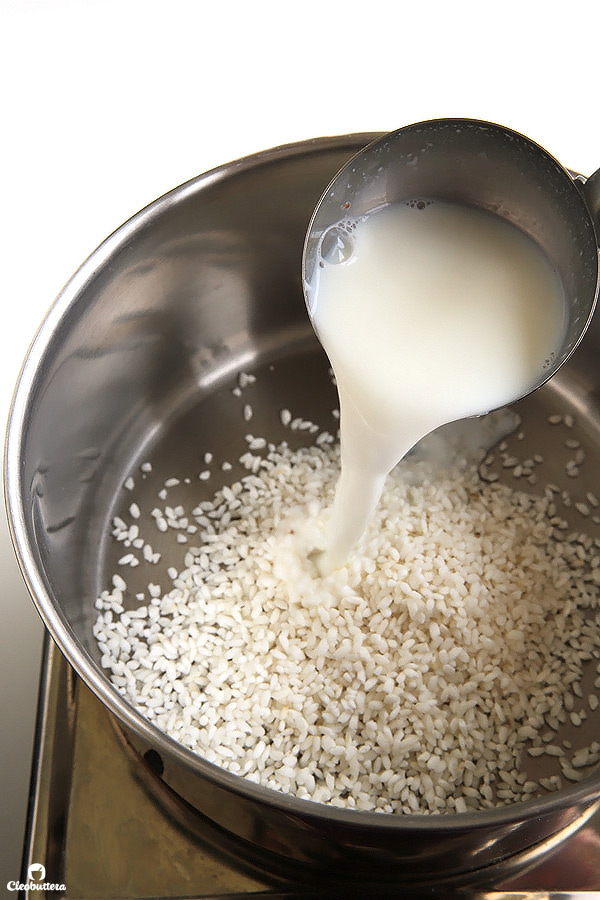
(429, 312)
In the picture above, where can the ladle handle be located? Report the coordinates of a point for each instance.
(590, 188)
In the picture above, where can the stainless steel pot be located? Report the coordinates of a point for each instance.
(136, 359)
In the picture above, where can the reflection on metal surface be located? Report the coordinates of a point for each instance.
(97, 828)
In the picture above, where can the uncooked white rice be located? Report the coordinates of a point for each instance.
(420, 677)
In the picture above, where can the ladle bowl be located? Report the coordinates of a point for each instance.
(476, 164)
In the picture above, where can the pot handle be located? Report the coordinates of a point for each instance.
(590, 188)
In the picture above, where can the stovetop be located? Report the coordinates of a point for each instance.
(104, 826)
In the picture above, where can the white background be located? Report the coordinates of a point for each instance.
(106, 104)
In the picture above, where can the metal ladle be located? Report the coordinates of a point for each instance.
(479, 164)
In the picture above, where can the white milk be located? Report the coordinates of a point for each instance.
(439, 312)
